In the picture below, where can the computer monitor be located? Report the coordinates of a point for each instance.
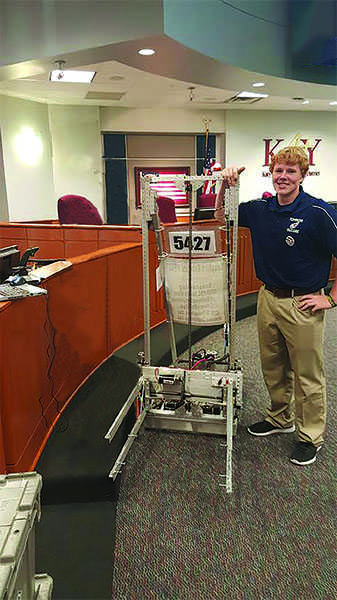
(9, 258)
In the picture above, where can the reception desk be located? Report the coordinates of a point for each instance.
(51, 344)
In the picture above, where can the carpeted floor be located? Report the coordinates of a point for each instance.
(75, 536)
(179, 536)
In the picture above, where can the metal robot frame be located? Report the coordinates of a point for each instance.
(178, 398)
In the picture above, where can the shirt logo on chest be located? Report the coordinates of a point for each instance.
(289, 240)
(294, 225)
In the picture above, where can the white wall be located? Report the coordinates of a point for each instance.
(30, 188)
(77, 152)
(160, 120)
(156, 151)
(245, 131)
(71, 161)
(3, 189)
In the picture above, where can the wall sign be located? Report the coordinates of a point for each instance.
(271, 147)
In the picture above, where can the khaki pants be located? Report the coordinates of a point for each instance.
(291, 350)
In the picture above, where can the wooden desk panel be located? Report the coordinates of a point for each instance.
(53, 343)
(25, 386)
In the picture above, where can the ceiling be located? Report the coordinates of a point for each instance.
(130, 80)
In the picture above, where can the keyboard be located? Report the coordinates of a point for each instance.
(15, 292)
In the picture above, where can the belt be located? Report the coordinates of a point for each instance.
(288, 293)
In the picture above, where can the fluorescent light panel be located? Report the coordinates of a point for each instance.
(251, 95)
(68, 76)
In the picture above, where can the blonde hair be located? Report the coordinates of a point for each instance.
(292, 155)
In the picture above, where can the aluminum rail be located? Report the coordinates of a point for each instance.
(234, 198)
(146, 292)
(200, 179)
(228, 475)
(188, 187)
(116, 469)
(173, 345)
(124, 410)
(229, 431)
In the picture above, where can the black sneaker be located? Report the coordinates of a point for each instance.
(304, 453)
(263, 428)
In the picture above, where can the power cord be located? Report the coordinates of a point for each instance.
(51, 353)
(203, 355)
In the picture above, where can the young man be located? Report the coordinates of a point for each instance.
(294, 236)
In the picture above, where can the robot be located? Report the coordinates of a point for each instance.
(197, 268)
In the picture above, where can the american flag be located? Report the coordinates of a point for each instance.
(209, 186)
(207, 168)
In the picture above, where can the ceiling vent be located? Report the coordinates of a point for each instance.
(105, 96)
(242, 98)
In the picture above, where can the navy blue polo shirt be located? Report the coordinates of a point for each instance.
(292, 244)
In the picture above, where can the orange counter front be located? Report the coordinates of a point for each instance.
(50, 344)
(60, 241)
(67, 241)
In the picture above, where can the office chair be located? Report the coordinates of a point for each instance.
(166, 209)
(205, 207)
(206, 201)
(77, 210)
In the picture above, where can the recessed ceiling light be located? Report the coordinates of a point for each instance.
(117, 78)
(333, 103)
(146, 51)
(67, 76)
(251, 95)
(305, 102)
(258, 84)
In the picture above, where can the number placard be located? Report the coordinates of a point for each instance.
(203, 242)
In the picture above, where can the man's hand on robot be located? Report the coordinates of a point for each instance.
(231, 175)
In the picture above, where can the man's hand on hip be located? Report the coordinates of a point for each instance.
(313, 302)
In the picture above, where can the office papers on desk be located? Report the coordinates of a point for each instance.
(48, 270)
(10, 292)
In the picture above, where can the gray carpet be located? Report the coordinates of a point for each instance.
(179, 536)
